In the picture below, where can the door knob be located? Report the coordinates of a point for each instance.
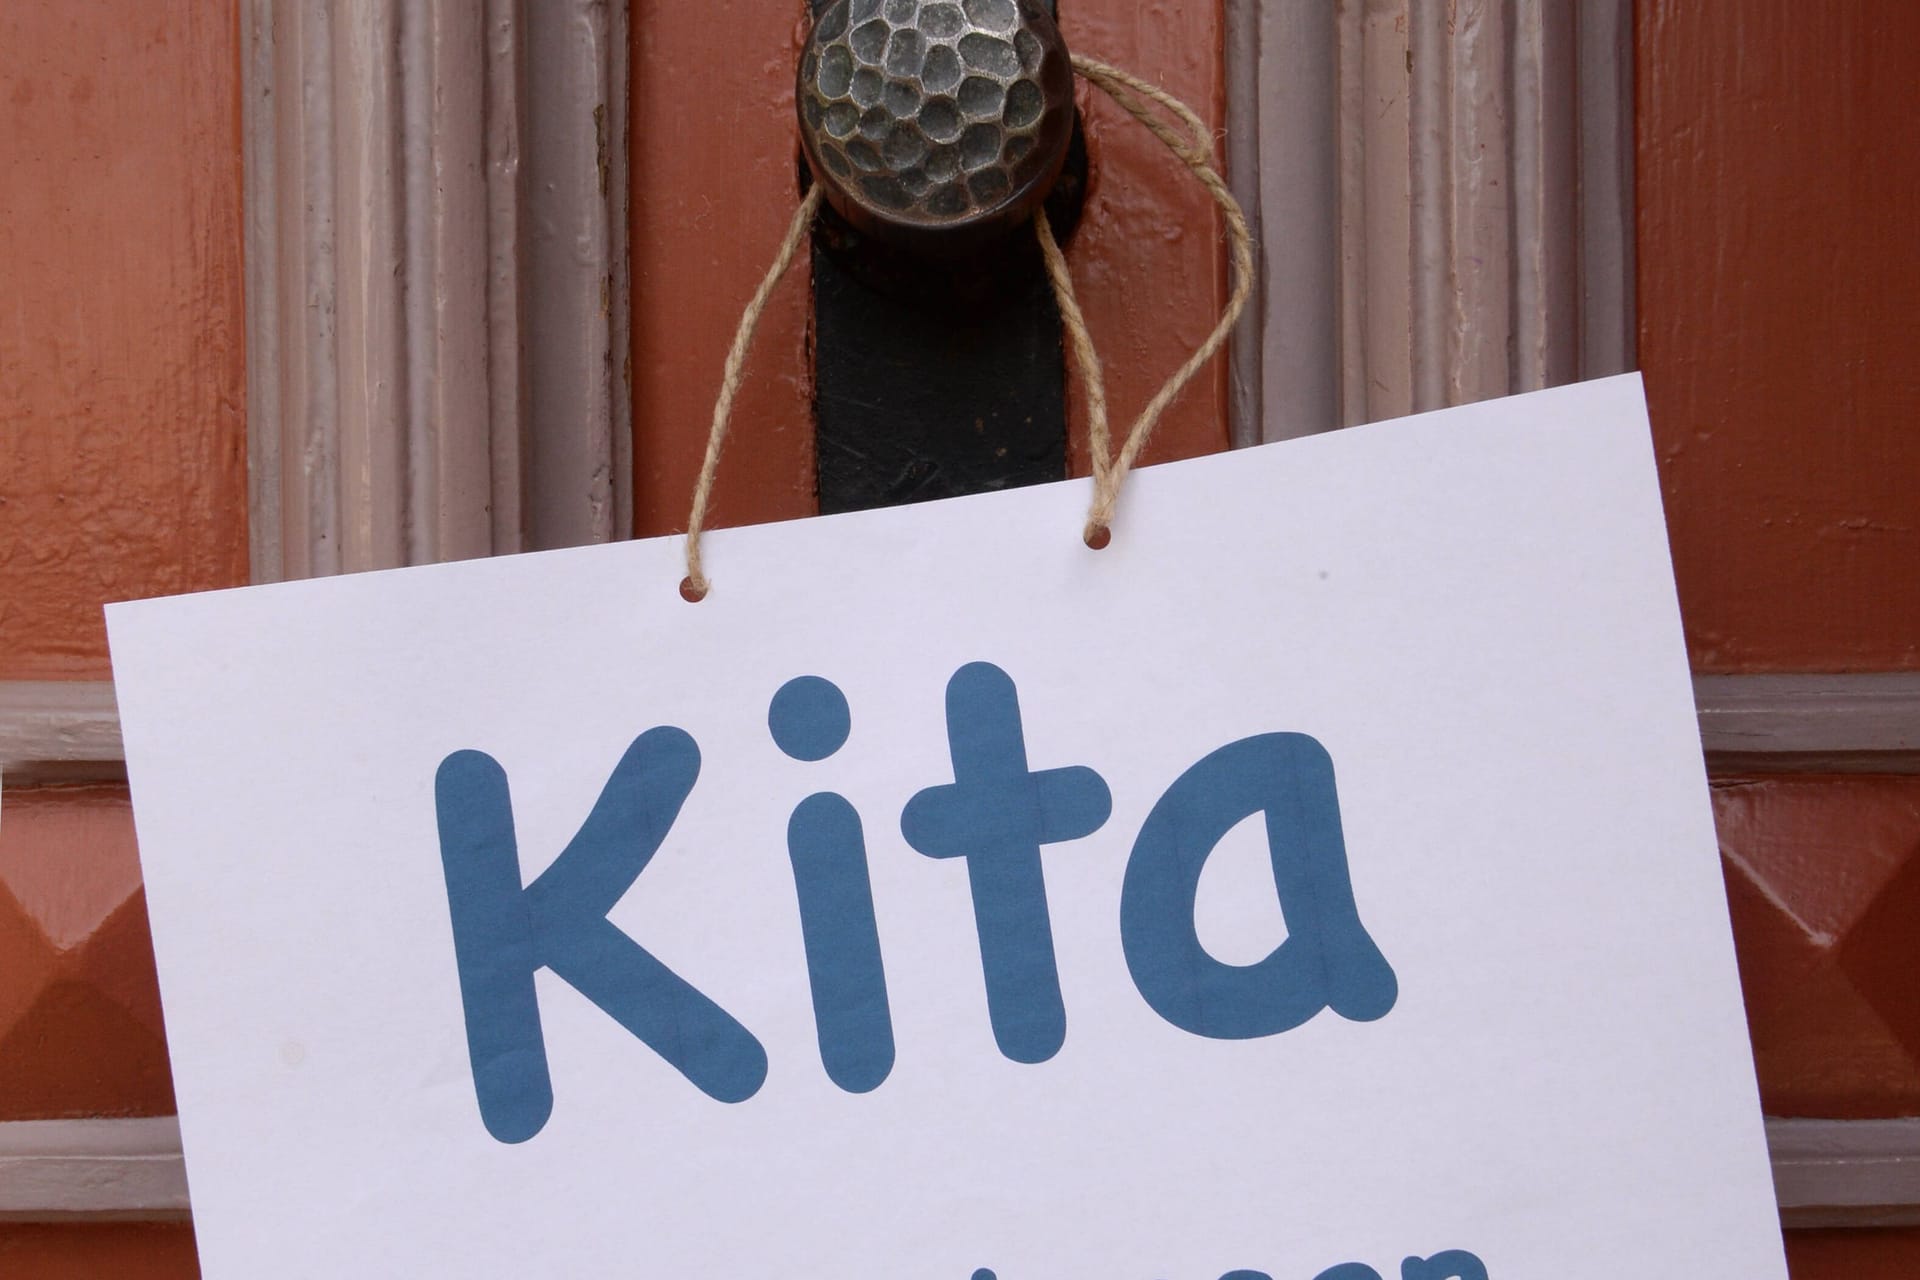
(935, 125)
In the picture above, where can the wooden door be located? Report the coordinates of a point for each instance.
(122, 473)
(1778, 281)
(1777, 272)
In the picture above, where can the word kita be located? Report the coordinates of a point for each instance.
(996, 815)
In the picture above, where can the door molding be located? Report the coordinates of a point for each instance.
(1443, 200)
(1825, 1172)
(61, 1170)
(1867, 722)
(1862, 723)
(436, 279)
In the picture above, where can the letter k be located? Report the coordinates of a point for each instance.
(503, 933)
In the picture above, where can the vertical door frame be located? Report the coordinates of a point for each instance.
(436, 279)
(1444, 201)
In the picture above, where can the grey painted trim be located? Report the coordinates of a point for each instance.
(1545, 83)
(1858, 722)
(617, 192)
(1241, 31)
(262, 238)
(1609, 337)
(1846, 1173)
(1282, 87)
(1444, 203)
(575, 207)
(58, 731)
(1825, 1172)
(1809, 723)
(435, 244)
(62, 1170)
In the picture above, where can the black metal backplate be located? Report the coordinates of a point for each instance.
(935, 379)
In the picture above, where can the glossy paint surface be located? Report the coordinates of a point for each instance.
(122, 439)
(1778, 271)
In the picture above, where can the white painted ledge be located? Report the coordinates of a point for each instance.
(1811, 723)
(1846, 1173)
(53, 1170)
(58, 731)
(1826, 1173)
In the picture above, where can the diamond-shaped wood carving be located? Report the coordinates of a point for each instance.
(1823, 880)
(80, 1029)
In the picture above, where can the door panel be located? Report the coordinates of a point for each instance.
(95, 1251)
(1823, 878)
(1778, 268)
(122, 431)
(80, 1029)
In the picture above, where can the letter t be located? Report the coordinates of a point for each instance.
(996, 814)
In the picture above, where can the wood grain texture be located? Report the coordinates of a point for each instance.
(1778, 272)
(122, 438)
(714, 183)
(1149, 259)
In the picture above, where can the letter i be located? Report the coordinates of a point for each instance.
(809, 720)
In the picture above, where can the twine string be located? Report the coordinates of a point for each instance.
(1194, 147)
(695, 586)
(1080, 341)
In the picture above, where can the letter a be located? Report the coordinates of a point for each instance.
(503, 934)
(1327, 960)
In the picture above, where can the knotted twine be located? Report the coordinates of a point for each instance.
(1192, 142)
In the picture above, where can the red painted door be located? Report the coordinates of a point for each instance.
(122, 473)
(1777, 276)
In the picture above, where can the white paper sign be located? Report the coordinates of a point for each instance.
(1317, 882)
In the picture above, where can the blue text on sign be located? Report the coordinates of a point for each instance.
(997, 815)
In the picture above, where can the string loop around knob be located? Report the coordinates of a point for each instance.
(1195, 149)
(1193, 144)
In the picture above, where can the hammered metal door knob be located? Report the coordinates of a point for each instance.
(935, 123)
